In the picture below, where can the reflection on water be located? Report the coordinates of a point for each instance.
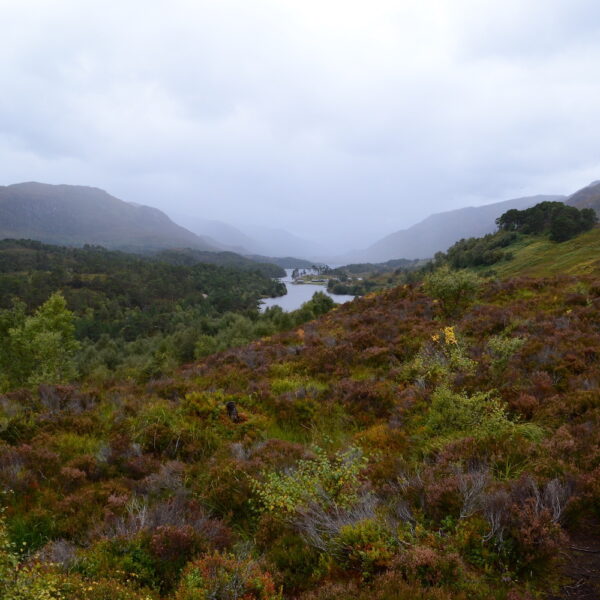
(298, 294)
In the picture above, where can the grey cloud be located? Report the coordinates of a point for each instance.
(336, 120)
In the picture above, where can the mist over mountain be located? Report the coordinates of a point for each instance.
(587, 197)
(77, 215)
(252, 239)
(279, 242)
(223, 235)
(439, 231)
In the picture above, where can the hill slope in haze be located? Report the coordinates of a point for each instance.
(279, 242)
(252, 240)
(439, 231)
(587, 197)
(225, 236)
(78, 215)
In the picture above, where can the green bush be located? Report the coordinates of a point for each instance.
(321, 480)
(120, 559)
(38, 348)
(480, 415)
(38, 581)
(455, 290)
(442, 358)
(365, 547)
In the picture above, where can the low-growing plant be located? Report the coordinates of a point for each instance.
(501, 349)
(225, 577)
(121, 559)
(322, 480)
(439, 360)
(297, 385)
(365, 547)
(480, 415)
(429, 567)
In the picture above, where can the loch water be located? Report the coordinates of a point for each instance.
(299, 293)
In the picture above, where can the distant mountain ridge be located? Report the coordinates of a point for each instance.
(223, 235)
(587, 197)
(77, 215)
(439, 231)
(251, 240)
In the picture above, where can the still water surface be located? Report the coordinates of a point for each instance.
(298, 294)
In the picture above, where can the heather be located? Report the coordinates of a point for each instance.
(434, 440)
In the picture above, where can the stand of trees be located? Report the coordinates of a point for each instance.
(560, 221)
(554, 219)
(93, 313)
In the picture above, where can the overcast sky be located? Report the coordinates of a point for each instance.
(338, 118)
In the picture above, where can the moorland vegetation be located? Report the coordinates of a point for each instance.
(438, 439)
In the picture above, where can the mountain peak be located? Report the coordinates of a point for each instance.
(76, 215)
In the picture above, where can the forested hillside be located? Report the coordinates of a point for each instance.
(189, 256)
(436, 440)
(549, 238)
(89, 314)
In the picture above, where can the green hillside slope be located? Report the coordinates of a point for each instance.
(540, 257)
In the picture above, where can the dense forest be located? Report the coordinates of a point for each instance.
(189, 256)
(560, 221)
(529, 240)
(132, 316)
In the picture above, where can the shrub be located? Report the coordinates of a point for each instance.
(365, 547)
(206, 406)
(225, 577)
(77, 588)
(322, 480)
(8, 558)
(502, 348)
(442, 358)
(205, 346)
(120, 559)
(297, 565)
(39, 348)
(429, 567)
(455, 290)
(38, 581)
(172, 547)
(480, 415)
